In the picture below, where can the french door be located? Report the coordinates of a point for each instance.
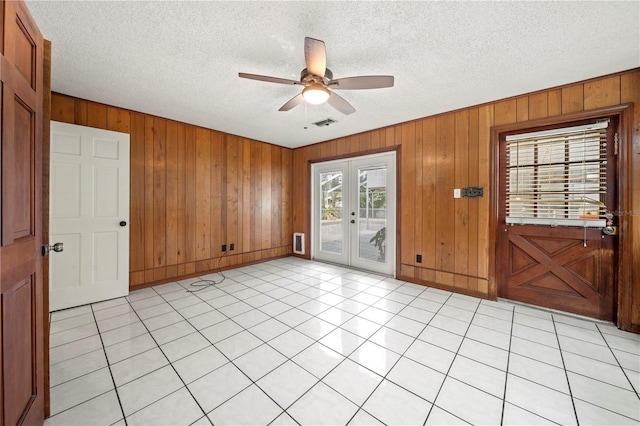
(353, 212)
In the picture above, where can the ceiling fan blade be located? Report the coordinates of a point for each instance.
(315, 56)
(293, 102)
(340, 104)
(362, 82)
(267, 78)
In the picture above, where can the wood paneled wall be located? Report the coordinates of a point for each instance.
(452, 150)
(192, 190)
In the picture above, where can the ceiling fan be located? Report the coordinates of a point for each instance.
(318, 81)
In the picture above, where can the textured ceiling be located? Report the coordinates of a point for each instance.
(181, 60)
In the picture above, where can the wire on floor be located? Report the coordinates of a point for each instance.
(202, 283)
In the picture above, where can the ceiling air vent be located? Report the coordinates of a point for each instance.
(325, 122)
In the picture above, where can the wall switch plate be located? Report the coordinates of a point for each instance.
(224, 248)
(456, 193)
(232, 246)
(418, 258)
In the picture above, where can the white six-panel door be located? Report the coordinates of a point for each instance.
(89, 214)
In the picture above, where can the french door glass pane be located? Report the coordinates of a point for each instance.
(331, 212)
(372, 218)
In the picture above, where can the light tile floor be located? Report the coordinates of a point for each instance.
(292, 341)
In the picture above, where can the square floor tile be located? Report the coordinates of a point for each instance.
(541, 400)
(148, 389)
(611, 374)
(76, 333)
(452, 325)
(129, 348)
(259, 361)
(423, 381)
(478, 408)
(76, 367)
(342, 341)
(218, 386)
(318, 359)
(439, 417)
(322, 406)
(486, 354)
(101, 410)
(287, 383)
(132, 368)
(375, 358)
(392, 340)
(199, 364)
(290, 343)
(238, 344)
(315, 328)
(184, 346)
(269, 329)
(439, 337)
(362, 418)
(361, 327)
(176, 408)
(74, 349)
(393, 405)
(293, 317)
(249, 407)
(517, 416)
(538, 372)
(207, 319)
(589, 414)
(488, 336)
(478, 375)
(221, 331)
(613, 398)
(69, 323)
(353, 381)
(417, 314)
(430, 355)
(79, 390)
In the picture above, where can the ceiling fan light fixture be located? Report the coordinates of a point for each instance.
(315, 94)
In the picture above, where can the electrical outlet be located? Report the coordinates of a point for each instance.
(232, 246)
(418, 258)
(224, 248)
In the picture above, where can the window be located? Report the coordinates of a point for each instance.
(557, 177)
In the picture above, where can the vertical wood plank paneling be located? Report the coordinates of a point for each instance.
(265, 207)
(522, 108)
(118, 120)
(538, 105)
(217, 193)
(555, 102)
(461, 205)
(505, 112)
(171, 198)
(407, 192)
(233, 196)
(286, 233)
(474, 207)
(159, 192)
(276, 198)
(429, 168)
(62, 108)
(572, 98)
(203, 194)
(256, 197)
(418, 191)
(190, 194)
(247, 230)
(148, 194)
(444, 207)
(486, 120)
(136, 201)
(82, 113)
(96, 115)
(602, 93)
(181, 176)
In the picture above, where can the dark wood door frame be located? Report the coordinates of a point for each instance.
(624, 113)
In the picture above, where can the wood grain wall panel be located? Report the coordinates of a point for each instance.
(96, 115)
(203, 194)
(265, 210)
(233, 197)
(505, 112)
(602, 93)
(444, 207)
(538, 105)
(276, 197)
(256, 198)
(136, 202)
(418, 191)
(486, 121)
(62, 108)
(572, 98)
(190, 194)
(461, 205)
(216, 192)
(171, 197)
(159, 192)
(181, 208)
(429, 166)
(149, 262)
(118, 120)
(407, 192)
(474, 180)
(554, 102)
(522, 108)
(246, 196)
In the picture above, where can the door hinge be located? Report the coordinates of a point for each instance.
(615, 143)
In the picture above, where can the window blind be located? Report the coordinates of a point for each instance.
(557, 177)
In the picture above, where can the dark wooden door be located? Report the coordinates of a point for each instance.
(568, 268)
(22, 370)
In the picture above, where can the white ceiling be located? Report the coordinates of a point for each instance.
(181, 60)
